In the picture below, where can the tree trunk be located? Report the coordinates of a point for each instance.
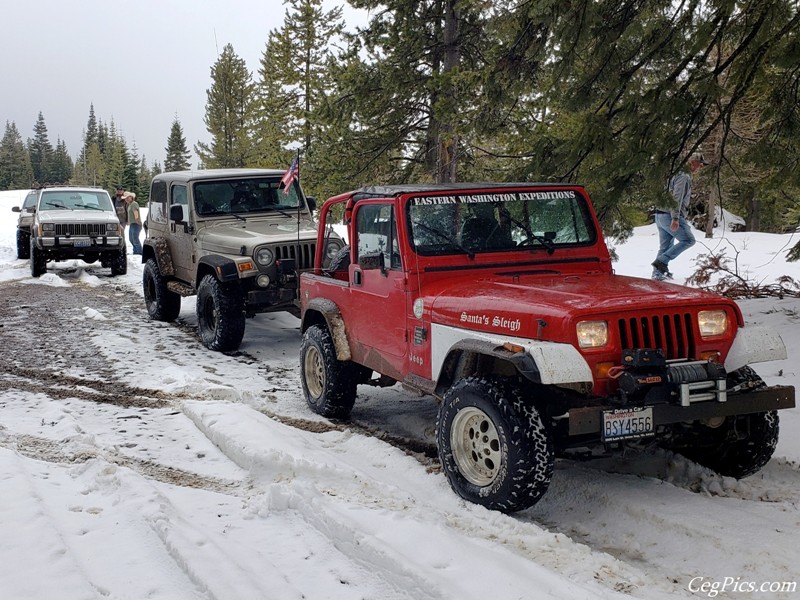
(447, 156)
(711, 210)
(753, 213)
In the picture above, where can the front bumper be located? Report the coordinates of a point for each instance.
(589, 420)
(80, 243)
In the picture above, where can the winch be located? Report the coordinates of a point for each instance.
(646, 374)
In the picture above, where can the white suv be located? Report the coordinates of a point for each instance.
(76, 222)
(24, 224)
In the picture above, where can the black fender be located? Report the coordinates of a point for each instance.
(157, 248)
(224, 268)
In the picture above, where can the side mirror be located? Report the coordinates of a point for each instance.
(16, 209)
(176, 213)
(371, 261)
(312, 203)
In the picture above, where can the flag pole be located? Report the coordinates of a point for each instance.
(297, 252)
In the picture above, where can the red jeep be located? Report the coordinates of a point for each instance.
(500, 301)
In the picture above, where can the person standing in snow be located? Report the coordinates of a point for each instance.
(120, 206)
(674, 231)
(134, 221)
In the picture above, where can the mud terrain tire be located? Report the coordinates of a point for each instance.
(119, 263)
(329, 384)
(161, 303)
(220, 314)
(739, 447)
(340, 261)
(23, 244)
(494, 448)
(38, 261)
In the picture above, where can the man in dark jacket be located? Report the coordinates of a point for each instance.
(674, 231)
(120, 206)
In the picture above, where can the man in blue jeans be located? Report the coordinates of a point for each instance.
(674, 231)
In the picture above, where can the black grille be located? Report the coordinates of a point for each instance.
(80, 228)
(290, 251)
(672, 333)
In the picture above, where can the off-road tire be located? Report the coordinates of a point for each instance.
(119, 263)
(739, 447)
(329, 384)
(162, 304)
(220, 314)
(38, 261)
(23, 244)
(494, 448)
(340, 261)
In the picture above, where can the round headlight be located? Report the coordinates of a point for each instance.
(265, 257)
(333, 247)
(263, 280)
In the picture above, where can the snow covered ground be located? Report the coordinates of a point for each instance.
(214, 481)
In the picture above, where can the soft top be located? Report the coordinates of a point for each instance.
(193, 175)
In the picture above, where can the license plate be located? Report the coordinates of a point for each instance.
(82, 243)
(627, 423)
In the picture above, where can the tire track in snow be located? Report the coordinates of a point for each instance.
(337, 481)
(662, 528)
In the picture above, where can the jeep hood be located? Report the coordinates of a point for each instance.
(525, 306)
(229, 236)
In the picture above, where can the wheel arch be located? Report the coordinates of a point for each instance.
(222, 268)
(457, 354)
(322, 311)
(158, 249)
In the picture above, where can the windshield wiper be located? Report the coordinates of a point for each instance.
(283, 212)
(442, 235)
(57, 205)
(90, 206)
(544, 241)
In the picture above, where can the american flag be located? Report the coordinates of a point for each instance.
(291, 174)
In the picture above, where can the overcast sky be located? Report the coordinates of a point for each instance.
(139, 62)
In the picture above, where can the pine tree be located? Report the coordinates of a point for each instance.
(406, 86)
(61, 166)
(229, 113)
(41, 152)
(92, 133)
(275, 109)
(15, 161)
(177, 153)
(115, 158)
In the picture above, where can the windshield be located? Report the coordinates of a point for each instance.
(75, 200)
(473, 223)
(246, 195)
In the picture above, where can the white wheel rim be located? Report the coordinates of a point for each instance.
(476, 446)
(314, 372)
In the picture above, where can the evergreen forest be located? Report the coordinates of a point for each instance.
(611, 94)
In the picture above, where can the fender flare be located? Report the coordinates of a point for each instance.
(162, 255)
(754, 344)
(224, 268)
(546, 363)
(330, 313)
